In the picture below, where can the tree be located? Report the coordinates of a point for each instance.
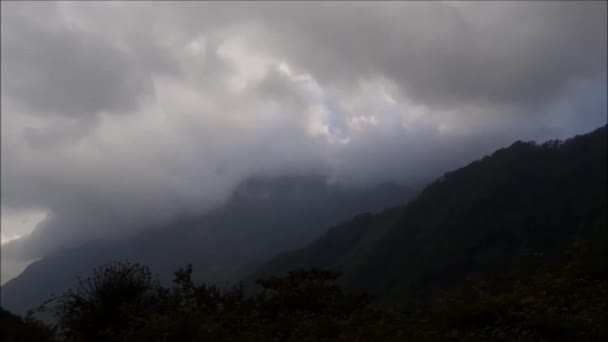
(107, 303)
(16, 329)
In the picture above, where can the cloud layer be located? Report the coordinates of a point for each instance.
(119, 115)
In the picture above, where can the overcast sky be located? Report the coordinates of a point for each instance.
(118, 115)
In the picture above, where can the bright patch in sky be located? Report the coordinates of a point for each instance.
(16, 224)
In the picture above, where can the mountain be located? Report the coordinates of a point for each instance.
(507, 214)
(264, 216)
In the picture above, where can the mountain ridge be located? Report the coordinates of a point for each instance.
(263, 217)
(510, 211)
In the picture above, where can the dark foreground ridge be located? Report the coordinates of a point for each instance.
(123, 302)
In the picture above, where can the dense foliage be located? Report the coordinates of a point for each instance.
(13, 328)
(122, 302)
(564, 303)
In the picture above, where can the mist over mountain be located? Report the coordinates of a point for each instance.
(508, 213)
(510, 246)
(112, 128)
(264, 216)
(427, 151)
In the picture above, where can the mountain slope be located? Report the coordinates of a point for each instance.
(262, 218)
(510, 212)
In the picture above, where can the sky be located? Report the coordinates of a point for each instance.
(122, 115)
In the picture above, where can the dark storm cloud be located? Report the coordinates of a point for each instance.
(55, 69)
(444, 54)
(121, 115)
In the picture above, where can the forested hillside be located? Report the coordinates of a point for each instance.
(506, 214)
(123, 302)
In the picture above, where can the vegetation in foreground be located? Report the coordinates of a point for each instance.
(123, 302)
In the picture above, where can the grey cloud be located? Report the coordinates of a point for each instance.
(54, 69)
(443, 55)
(117, 116)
